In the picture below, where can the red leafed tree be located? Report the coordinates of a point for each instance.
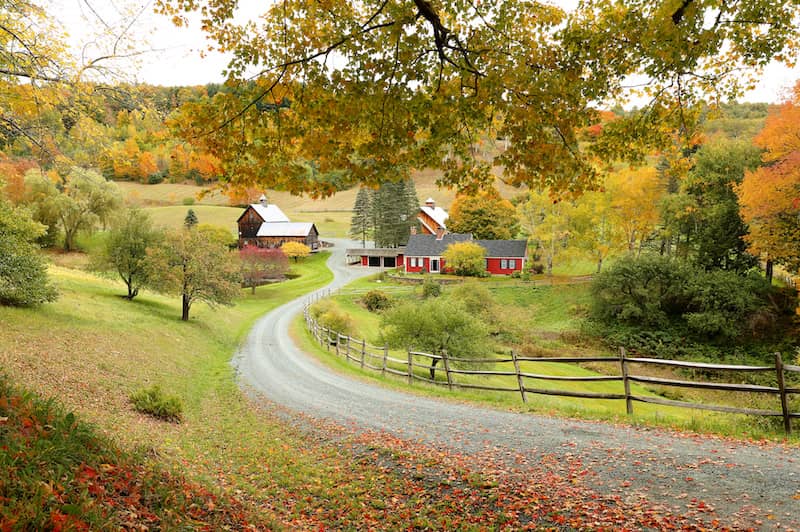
(260, 264)
(770, 196)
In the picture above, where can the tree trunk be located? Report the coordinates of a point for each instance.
(769, 271)
(433, 368)
(599, 264)
(185, 307)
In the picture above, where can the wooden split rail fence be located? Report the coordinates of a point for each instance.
(377, 358)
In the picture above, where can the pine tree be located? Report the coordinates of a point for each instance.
(393, 213)
(190, 220)
(361, 223)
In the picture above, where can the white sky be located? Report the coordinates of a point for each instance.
(175, 53)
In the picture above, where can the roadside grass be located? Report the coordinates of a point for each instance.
(552, 315)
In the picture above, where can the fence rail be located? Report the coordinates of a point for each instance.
(377, 358)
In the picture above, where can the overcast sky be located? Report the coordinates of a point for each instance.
(175, 53)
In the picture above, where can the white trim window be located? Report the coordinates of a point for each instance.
(512, 264)
(503, 264)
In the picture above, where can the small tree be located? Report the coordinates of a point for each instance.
(466, 258)
(444, 326)
(190, 220)
(196, 267)
(259, 264)
(23, 273)
(125, 250)
(296, 250)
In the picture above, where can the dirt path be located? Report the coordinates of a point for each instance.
(743, 485)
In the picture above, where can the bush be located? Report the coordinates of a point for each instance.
(376, 300)
(153, 402)
(657, 294)
(154, 179)
(188, 201)
(430, 288)
(537, 268)
(337, 321)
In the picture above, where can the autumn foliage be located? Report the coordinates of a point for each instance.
(770, 196)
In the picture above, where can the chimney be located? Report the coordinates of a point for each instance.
(430, 203)
(263, 200)
(439, 233)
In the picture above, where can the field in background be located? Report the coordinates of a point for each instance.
(168, 203)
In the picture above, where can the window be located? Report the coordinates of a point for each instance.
(512, 264)
(503, 264)
(412, 262)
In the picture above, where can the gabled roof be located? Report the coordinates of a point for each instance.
(438, 214)
(428, 246)
(504, 248)
(285, 229)
(268, 213)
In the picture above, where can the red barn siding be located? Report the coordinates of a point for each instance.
(494, 266)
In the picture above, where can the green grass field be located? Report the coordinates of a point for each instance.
(547, 312)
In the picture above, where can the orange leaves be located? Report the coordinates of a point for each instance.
(770, 196)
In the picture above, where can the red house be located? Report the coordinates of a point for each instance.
(423, 253)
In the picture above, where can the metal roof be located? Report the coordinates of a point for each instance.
(270, 213)
(438, 214)
(285, 229)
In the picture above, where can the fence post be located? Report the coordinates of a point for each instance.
(347, 351)
(363, 351)
(338, 340)
(624, 365)
(385, 357)
(787, 421)
(327, 338)
(410, 368)
(447, 369)
(519, 376)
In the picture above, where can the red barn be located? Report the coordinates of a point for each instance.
(431, 218)
(424, 253)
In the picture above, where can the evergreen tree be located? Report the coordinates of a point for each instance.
(361, 222)
(190, 220)
(393, 215)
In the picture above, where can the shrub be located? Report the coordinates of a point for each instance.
(430, 288)
(465, 258)
(376, 300)
(537, 268)
(188, 201)
(669, 297)
(153, 402)
(156, 178)
(337, 321)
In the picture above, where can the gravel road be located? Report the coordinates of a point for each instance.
(748, 485)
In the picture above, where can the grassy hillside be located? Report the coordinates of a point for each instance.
(230, 462)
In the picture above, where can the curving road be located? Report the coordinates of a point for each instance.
(744, 482)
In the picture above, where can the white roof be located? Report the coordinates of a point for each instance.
(437, 213)
(284, 228)
(270, 213)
